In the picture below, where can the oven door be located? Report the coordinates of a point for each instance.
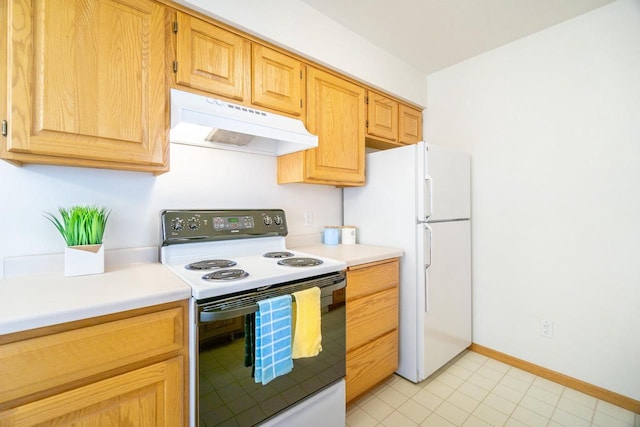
(227, 392)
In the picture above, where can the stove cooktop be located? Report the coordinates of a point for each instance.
(223, 252)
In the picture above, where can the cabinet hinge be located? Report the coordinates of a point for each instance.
(366, 123)
(300, 74)
(366, 100)
(301, 103)
(175, 26)
(175, 66)
(4, 128)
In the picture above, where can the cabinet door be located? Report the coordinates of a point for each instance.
(277, 80)
(210, 58)
(150, 396)
(382, 117)
(335, 113)
(87, 82)
(410, 128)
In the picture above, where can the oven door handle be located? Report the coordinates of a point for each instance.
(212, 316)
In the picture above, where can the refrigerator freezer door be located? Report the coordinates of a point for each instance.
(447, 320)
(448, 184)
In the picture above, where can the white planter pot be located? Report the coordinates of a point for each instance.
(83, 259)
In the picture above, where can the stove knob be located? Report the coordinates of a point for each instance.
(267, 220)
(277, 219)
(193, 223)
(177, 224)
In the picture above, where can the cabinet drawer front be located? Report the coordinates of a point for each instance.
(145, 397)
(370, 364)
(370, 317)
(44, 362)
(372, 279)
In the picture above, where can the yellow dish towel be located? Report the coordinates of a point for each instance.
(307, 336)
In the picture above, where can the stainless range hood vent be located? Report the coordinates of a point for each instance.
(213, 123)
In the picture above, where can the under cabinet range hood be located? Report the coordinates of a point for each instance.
(213, 123)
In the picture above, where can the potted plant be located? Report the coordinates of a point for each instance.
(82, 228)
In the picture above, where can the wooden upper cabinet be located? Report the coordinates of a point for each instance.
(87, 84)
(382, 117)
(211, 59)
(336, 113)
(277, 80)
(391, 123)
(410, 128)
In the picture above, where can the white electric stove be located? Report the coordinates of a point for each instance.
(232, 259)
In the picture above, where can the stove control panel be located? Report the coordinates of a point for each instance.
(184, 226)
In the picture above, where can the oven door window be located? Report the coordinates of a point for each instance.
(228, 393)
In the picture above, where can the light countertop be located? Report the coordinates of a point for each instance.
(33, 301)
(352, 254)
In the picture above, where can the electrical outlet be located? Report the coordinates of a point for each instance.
(308, 219)
(546, 328)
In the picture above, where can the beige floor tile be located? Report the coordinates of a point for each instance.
(602, 419)
(508, 393)
(528, 417)
(406, 387)
(469, 364)
(576, 409)
(473, 421)
(537, 406)
(451, 380)
(514, 423)
(414, 411)
(435, 420)
(460, 371)
(463, 401)
(488, 372)
(497, 366)
(615, 411)
(396, 419)
(579, 397)
(490, 415)
(476, 357)
(566, 419)
(377, 408)
(452, 413)
(500, 403)
(515, 383)
(482, 381)
(549, 386)
(521, 375)
(473, 391)
(543, 395)
(392, 397)
(359, 418)
(427, 399)
(439, 389)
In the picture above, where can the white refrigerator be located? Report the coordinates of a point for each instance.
(418, 198)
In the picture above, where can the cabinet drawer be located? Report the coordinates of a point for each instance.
(371, 316)
(371, 278)
(370, 364)
(48, 361)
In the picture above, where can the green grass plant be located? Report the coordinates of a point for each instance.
(81, 225)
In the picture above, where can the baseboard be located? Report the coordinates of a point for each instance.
(590, 389)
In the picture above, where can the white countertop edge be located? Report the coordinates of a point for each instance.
(34, 321)
(353, 254)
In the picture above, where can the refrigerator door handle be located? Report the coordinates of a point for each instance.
(427, 264)
(428, 198)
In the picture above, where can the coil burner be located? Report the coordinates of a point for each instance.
(231, 274)
(279, 254)
(300, 262)
(210, 264)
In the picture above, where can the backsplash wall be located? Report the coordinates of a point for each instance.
(200, 178)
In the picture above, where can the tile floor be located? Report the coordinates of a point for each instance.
(475, 390)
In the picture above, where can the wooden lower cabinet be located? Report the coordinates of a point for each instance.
(129, 368)
(372, 325)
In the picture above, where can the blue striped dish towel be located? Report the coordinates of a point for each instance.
(273, 338)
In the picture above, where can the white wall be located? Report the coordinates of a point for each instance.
(553, 125)
(200, 178)
(299, 28)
